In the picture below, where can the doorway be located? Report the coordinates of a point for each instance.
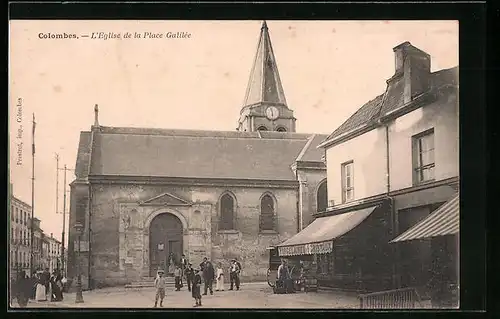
(165, 243)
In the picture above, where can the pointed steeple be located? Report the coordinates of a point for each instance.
(264, 85)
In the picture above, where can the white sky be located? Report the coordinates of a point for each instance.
(328, 70)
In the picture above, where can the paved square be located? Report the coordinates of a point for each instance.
(251, 295)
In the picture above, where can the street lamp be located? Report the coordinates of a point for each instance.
(79, 297)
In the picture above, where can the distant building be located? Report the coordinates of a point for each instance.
(19, 247)
(143, 193)
(391, 164)
(53, 256)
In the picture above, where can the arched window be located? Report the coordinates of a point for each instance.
(322, 197)
(281, 129)
(262, 128)
(226, 212)
(267, 213)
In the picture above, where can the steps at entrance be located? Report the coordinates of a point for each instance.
(148, 282)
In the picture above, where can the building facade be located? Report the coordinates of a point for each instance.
(391, 164)
(143, 194)
(53, 252)
(19, 247)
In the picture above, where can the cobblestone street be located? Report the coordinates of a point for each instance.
(251, 295)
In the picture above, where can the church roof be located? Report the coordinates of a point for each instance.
(264, 85)
(194, 153)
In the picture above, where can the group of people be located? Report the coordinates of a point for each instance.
(41, 286)
(205, 273)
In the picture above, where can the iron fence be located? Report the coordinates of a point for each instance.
(404, 298)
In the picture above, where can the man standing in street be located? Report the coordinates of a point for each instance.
(208, 275)
(160, 288)
(183, 264)
(234, 274)
(189, 275)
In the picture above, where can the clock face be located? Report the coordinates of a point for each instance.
(272, 112)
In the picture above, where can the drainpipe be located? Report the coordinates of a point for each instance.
(394, 248)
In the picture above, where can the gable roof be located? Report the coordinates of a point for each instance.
(389, 101)
(196, 154)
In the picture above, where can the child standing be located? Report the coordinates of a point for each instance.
(177, 275)
(160, 288)
(220, 278)
(196, 288)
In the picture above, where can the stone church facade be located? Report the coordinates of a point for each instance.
(145, 194)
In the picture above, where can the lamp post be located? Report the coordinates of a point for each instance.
(79, 296)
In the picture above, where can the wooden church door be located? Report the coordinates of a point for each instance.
(165, 237)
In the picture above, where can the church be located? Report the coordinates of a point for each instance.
(144, 194)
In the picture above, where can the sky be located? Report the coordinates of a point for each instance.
(328, 69)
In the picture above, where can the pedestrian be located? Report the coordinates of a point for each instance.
(220, 278)
(189, 275)
(56, 287)
(23, 288)
(46, 282)
(171, 264)
(196, 291)
(184, 264)
(234, 274)
(160, 284)
(40, 288)
(208, 275)
(177, 276)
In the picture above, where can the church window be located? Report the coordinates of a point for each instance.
(226, 212)
(267, 213)
(262, 128)
(322, 197)
(281, 129)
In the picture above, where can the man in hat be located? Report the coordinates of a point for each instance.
(160, 284)
(208, 275)
(189, 275)
(234, 274)
(196, 291)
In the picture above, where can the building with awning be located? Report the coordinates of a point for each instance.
(317, 238)
(348, 246)
(440, 231)
(443, 221)
(402, 144)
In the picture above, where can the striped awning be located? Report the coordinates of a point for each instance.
(443, 221)
(317, 238)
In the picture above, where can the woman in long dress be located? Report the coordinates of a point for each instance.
(171, 264)
(40, 290)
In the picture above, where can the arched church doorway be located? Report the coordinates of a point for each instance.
(165, 243)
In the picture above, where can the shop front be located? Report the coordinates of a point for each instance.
(348, 250)
(441, 231)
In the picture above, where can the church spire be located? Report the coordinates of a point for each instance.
(264, 85)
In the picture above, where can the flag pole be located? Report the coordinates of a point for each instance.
(32, 195)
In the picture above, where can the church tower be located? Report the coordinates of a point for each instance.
(265, 106)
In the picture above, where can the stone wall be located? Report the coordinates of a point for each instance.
(120, 245)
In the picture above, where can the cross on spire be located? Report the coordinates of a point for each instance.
(264, 84)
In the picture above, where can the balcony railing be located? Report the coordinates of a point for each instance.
(405, 298)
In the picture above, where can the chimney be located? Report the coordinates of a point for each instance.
(51, 235)
(415, 67)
